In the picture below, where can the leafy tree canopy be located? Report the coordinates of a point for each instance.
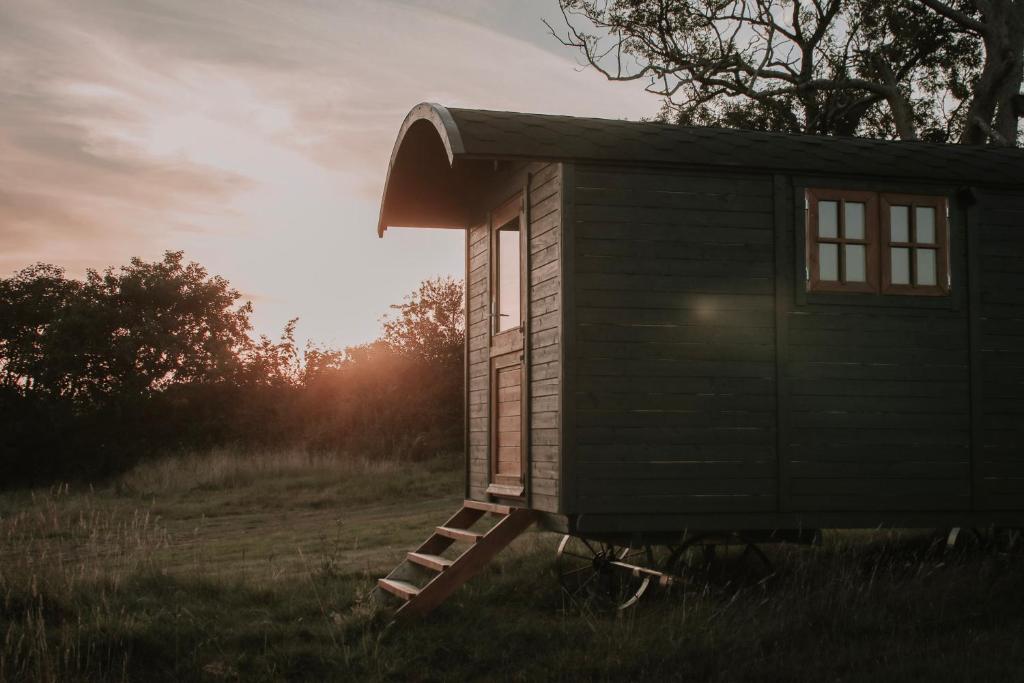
(430, 323)
(124, 332)
(941, 70)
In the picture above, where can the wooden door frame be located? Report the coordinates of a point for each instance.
(510, 346)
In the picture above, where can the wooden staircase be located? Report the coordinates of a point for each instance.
(427, 577)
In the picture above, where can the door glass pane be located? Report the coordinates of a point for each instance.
(508, 276)
(926, 274)
(899, 223)
(853, 228)
(828, 262)
(856, 262)
(900, 257)
(828, 219)
(924, 224)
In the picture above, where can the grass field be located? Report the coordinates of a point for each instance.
(256, 567)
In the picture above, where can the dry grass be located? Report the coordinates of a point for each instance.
(254, 566)
(225, 468)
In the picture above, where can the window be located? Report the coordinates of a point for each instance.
(842, 238)
(915, 256)
(505, 290)
(876, 243)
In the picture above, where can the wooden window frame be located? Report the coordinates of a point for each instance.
(870, 241)
(940, 246)
(509, 211)
(506, 347)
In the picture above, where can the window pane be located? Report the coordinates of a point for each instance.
(900, 266)
(853, 229)
(856, 262)
(828, 262)
(828, 219)
(926, 274)
(899, 223)
(508, 277)
(924, 224)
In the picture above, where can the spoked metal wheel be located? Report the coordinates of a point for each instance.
(1000, 540)
(720, 558)
(602, 575)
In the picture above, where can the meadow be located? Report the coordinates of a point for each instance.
(230, 566)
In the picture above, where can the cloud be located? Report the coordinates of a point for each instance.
(255, 135)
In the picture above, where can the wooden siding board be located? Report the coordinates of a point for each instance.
(876, 386)
(477, 335)
(542, 185)
(543, 283)
(674, 342)
(565, 436)
(996, 247)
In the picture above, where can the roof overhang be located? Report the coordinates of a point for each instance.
(425, 186)
(444, 159)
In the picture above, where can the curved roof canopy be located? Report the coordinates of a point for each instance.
(441, 154)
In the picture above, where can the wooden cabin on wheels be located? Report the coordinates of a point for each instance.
(690, 337)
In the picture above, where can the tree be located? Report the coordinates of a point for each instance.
(933, 69)
(431, 323)
(124, 333)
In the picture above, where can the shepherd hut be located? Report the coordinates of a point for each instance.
(674, 330)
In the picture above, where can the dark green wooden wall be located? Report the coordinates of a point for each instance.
(673, 320)
(998, 255)
(704, 379)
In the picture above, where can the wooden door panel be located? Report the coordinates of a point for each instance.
(507, 415)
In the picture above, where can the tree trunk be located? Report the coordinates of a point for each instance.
(990, 114)
(1008, 110)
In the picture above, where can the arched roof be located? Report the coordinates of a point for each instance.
(439, 152)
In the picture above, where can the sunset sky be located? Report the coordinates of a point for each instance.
(255, 136)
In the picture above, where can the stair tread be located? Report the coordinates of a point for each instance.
(430, 561)
(487, 507)
(459, 534)
(402, 589)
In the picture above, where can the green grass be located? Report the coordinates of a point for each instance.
(230, 567)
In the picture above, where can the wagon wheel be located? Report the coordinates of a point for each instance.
(718, 558)
(966, 539)
(1008, 540)
(1001, 540)
(587, 575)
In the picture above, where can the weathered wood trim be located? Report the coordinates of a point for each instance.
(465, 371)
(526, 402)
(784, 256)
(506, 490)
(951, 300)
(490, 388)
(972, 243)
(567, 348)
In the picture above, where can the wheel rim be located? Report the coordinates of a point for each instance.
(705, 560)
(589, 578)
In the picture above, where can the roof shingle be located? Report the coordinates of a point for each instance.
(499, 134)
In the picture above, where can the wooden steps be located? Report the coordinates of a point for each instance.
(426, 578)
(402, 589)
(459, 534)
(487, 507)
(435, 562)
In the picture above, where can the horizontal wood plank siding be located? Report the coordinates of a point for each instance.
(674, 330)
(545, 375)
(477, 332)
(878, 395)
(545, 336)
(999, 457)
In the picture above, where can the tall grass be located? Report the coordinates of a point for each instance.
(83, 570)
(149, 579)
(224, 468)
